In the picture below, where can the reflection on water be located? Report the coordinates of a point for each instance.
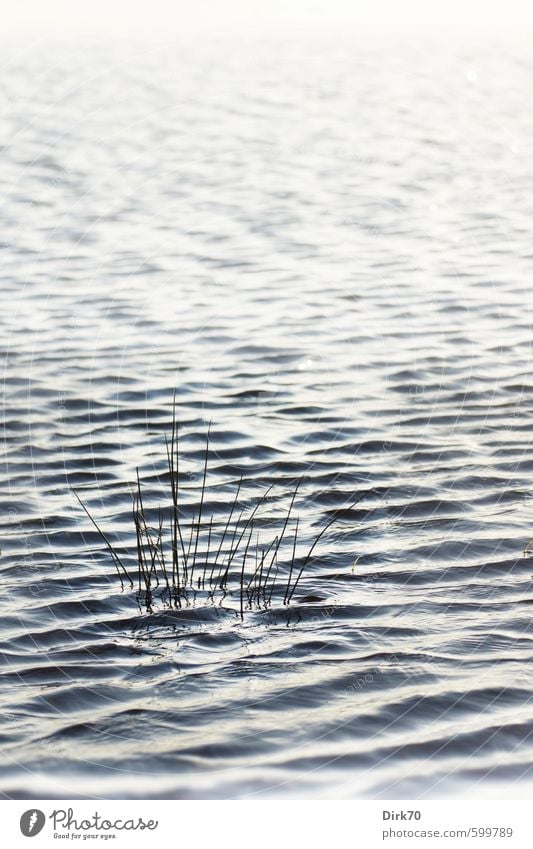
(328, 252)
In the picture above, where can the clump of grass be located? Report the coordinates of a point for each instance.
(179, 560)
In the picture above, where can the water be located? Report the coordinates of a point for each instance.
(327, 251)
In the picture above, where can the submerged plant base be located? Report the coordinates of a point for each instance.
(158, 599)
(179, 563)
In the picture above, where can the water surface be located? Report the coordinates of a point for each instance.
(327, 252)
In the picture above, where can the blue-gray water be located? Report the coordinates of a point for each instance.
(327, 251)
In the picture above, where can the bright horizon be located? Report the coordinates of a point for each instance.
(372, 19)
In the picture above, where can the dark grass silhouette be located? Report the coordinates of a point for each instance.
(183, 562)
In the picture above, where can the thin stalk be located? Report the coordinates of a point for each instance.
(224, 578)
(206, 561)
(186, 578)
(335, 518)
(175, 439)
(267, 576)
(174, 474)
(142, 533)
(256, 562)
(275, 554)
(116, 559)
(173, 518)
(242, 571)
(249, 521)
(273, 582)
(292, 562)
(225, 531)
(201, 502)
(260, 578)
(153, 546)
(265, 554)
(162, 554)
(144, 544)
(139, 543)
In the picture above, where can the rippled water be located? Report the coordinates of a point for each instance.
(327, 251)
